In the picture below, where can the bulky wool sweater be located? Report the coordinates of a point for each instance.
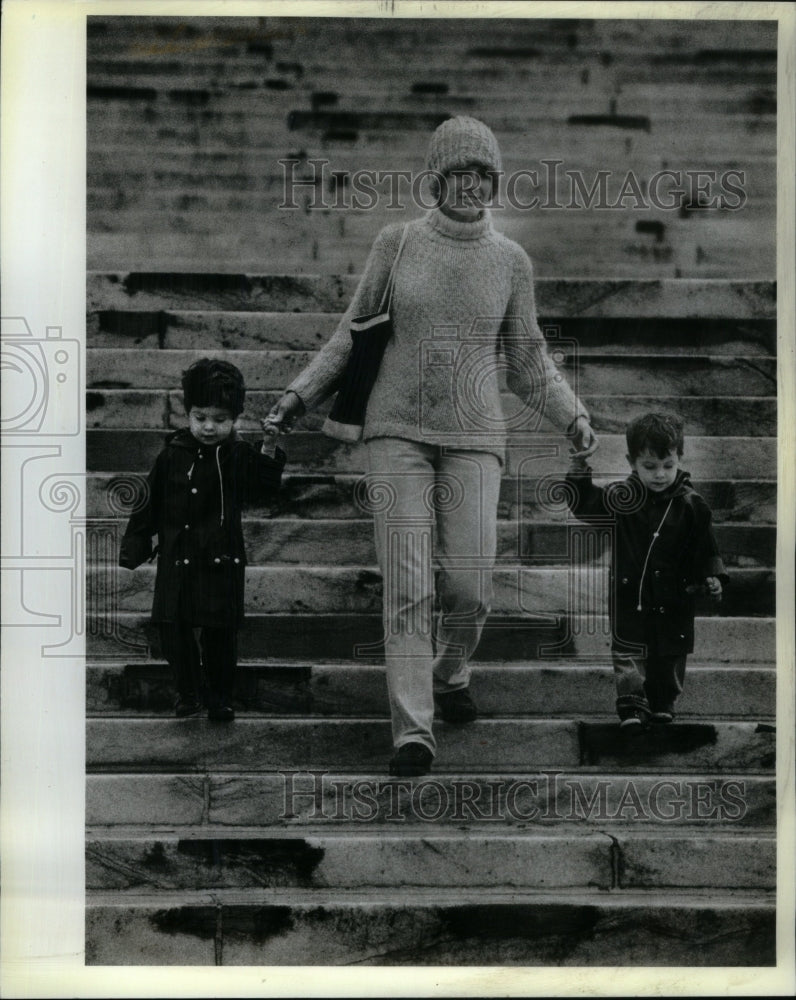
(462, 293)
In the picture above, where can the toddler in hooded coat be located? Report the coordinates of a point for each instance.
(197, 488)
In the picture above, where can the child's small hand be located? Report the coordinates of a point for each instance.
(270, 436)
(577, 460)
(713, 586)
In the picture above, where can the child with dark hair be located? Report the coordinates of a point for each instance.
(664, 551)
(201, 480)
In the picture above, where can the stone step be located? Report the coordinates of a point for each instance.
(518, 589)
(306, 331)
(535, 454)
(545, 688)
(328, 799)
(209, 858)
(349, 542)
(254, 743)
(607, 375)
(303, 234)
(247, 35)
(161, 97)
(189, 173)
(406, 134)
(592, 298)
(434, 927)
(736, 416)
(321, 637)
(239, 247)
(306, 496)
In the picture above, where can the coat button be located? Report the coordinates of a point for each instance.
(237, 560)
(624, 579)
(661, 608)
(187, 527)
(177, 562)
(216, 560)
(186, 561)
(657, 572)
(194, 490)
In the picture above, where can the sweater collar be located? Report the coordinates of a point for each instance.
(455, 230)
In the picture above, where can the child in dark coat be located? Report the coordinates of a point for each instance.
(200, 481)
(664, 551)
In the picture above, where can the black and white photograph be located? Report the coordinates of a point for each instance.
(429, 577)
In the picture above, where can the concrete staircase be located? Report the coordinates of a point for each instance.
(540, 838)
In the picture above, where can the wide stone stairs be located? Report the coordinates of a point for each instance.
(541, 837)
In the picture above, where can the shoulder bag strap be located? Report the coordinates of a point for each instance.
(386, 299)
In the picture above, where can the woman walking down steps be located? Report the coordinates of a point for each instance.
(434, 427)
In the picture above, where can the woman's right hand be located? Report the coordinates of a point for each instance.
(285, 412)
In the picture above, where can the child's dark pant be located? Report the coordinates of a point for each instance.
(647, 683)
(215, 654)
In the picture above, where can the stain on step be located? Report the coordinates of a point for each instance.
(274, 860)
(605, 740)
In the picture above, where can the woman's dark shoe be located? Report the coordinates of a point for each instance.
(411, 760)
(221, 713)
(184, 706)
(456, 706)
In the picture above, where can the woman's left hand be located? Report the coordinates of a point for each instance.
(584, 440)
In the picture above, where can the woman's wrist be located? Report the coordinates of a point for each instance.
(302, 409)
(572, 430)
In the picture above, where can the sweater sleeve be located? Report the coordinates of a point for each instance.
(532, 374)
(319, 378)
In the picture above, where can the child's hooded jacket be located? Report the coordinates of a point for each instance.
(195, 499)
(651, 575)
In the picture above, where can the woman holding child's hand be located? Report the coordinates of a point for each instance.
(462, 295)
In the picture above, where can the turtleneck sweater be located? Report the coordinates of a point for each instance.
(462, 297)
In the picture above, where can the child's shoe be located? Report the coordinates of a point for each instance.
(456, 706)
(186, 705)
(411, 760)
(633, 720)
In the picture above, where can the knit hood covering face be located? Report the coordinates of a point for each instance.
(460, 141)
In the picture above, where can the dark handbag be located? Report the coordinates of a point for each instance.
(369, 336)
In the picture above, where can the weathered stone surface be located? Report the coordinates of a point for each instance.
(722, 745)
(318, 496)
(737, 416)
(606, 375)
(269, 928)
(266, 744)
(135, 451)
(348, 689)
(177, 329)
(478, 802)
(358, 589)
(202, 859)
(303, 637)
(177, 799)
(695, 862)
(312, 293)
